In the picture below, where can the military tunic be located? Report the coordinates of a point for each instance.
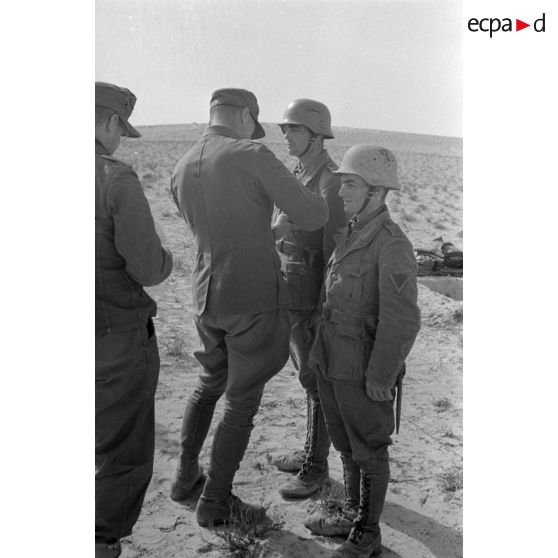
(128, 256)
(226, 188)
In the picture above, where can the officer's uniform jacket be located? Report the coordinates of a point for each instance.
(370, 313)
(303, 253)
(226, 188)
(128, 251)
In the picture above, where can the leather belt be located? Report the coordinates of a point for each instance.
(289, 248)
(338, 317)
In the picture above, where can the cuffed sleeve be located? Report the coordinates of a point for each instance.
(306, 210)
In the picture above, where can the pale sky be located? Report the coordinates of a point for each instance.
(389, 65)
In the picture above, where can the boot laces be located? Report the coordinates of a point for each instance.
(363, 509)
(313, 423)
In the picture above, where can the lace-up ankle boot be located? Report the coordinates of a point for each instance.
(365, 540)
(314, 472)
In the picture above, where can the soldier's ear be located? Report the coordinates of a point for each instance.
(113, 122)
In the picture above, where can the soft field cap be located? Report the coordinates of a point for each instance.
(120, 100)
(239, 98)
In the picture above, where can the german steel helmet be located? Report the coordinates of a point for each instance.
(312, 114)
(377, 166)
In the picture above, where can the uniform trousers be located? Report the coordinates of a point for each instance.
(357, 426)
(240, 353)
(126, 375)
(302, 336)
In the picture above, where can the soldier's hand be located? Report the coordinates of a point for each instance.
(379, 394)
(283, 226)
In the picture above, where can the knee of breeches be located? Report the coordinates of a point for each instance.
(376, 465)
(240, 414)
(206, 396)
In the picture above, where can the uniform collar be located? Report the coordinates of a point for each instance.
(363, 220)
(307, 173)
(217, 130)
(100, 148)
(365, 231)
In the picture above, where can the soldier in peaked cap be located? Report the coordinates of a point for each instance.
(370, 319)
(306, 124)
(128, 256)
(226, 187)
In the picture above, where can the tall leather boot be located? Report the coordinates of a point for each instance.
(195, 425)
(292, 461)
(217, 504)
(315, 471)
(341, 522)
(365, 540)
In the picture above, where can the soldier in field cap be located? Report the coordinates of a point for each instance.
(128, 256)
(226, 187)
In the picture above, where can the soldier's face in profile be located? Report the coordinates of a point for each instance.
(115, 130)
(353, 192)
(296, 138)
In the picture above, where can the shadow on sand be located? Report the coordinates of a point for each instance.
(442, 541)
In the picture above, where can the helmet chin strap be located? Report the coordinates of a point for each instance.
(309, 145)
(366, 201)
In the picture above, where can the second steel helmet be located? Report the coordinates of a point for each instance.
(312, 114)
(377, 166)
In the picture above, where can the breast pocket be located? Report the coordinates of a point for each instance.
(359, 279)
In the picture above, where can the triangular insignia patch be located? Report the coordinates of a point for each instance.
(399, 281)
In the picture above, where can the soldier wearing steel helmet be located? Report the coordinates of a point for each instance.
(306, 124)
(369, 323)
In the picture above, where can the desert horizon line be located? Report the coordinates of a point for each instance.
(339, 127)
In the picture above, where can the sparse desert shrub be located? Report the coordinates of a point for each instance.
(176, 346)
(452, 480)
(442, 404)
(243, 538)
(260, 467)
(449, 434)
(331, 500)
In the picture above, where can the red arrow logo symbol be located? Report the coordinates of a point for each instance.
(519, 25)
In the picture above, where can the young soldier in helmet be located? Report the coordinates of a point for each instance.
(369, 323)
(306, 123)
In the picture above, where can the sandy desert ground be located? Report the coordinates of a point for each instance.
(423, 512)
